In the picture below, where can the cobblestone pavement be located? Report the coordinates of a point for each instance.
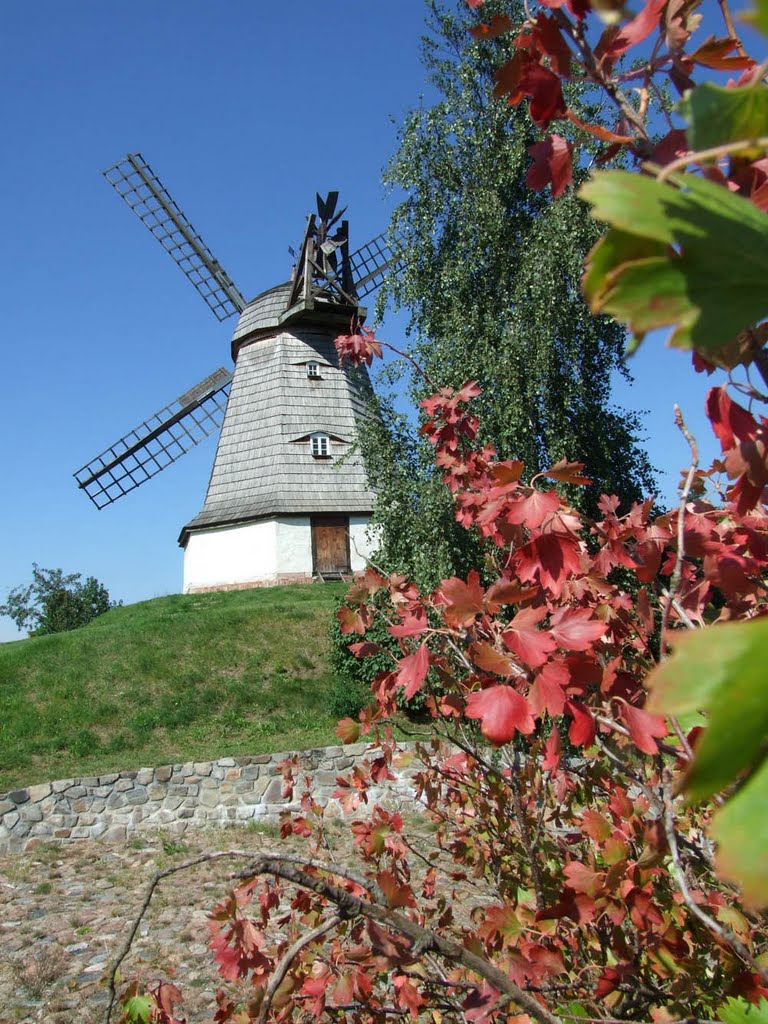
(64, 912)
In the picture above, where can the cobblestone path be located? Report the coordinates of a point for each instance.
(64, 912)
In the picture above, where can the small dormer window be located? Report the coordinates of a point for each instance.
(320, 446)
(313, 371)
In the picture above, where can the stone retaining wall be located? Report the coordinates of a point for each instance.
(175, 797)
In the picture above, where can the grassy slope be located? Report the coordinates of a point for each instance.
(179, 678)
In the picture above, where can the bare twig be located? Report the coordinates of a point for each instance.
(154, 882)
(285, 964)
(422, 939)
(701, 155)
(674, 582)
(724, 934)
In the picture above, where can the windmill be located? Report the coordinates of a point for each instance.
(282, 504)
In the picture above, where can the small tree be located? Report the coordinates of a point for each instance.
(55, 603)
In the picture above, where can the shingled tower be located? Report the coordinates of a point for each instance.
(287, 498)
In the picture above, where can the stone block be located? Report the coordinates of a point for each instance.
(98, 806)
(61, 785)
(178, 828)
(273, 794)
(172, 802)
(117, 800)
(123, 785)
(87, 819)
(324, 778)
(209, 798)
(5, 806)
(156, 791)
(80, 832)
(163, 774)
(61, 833)
(18, 796)
(251, 771)
(203, 767)
(107, 780)
(137, 796)
(232, 773)
(90, 782)
(144, 776)
(185, 812)
(81, 805)
(39, 792)
(129, 775)
(11, 819)
(115, 834)
(226, 762)
(31, 812)
(209, 783)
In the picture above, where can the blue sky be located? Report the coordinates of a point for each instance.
(243, 109)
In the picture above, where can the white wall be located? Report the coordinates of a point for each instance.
(231, 555)
(362, 541)
(294, 545)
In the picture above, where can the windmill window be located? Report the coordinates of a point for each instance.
(320, 446)
(313, 371)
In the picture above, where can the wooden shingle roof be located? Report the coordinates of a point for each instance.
(263, 463)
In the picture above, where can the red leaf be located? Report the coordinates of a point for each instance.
(643, 726)
(506, 592)
(413, 624)
(583, 728)
(564, 471)
(412, 671)
(498, 25)
(730, 421)
(463, 601)
(352, 620)
(545, 92)
(552, 751)
(507, 78)
(552, 42)
(548, 689)
(636, 30)
(348, 730)
(605, 135)
(502, 712)
(358, 348)
(489, 659)
(552, 165)
(580, 878)
(395, 894)
(530, 644)
(365, 649)
(574, 629)
(712, 53)
(532, 510)
(407, 995)
(551, 557)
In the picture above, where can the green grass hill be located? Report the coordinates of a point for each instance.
(181, 678)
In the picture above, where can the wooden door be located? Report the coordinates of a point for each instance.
(330, 545)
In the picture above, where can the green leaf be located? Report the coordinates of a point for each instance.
(757, 17)
(720, 670)
(741, 830)
(696, 258)
(739, 1011)
(718, 116)
(138, 1009)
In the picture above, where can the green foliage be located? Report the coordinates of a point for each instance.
(55, 603)
(415, 515)
(181, 678)
(739, 1011)
(684, 253)
(721, 671)
(718, 116)
(491, 282)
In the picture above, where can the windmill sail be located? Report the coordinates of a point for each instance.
(157, 442)
(140, 187)
(369, 264)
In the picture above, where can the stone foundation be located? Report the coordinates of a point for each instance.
(177, 797)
